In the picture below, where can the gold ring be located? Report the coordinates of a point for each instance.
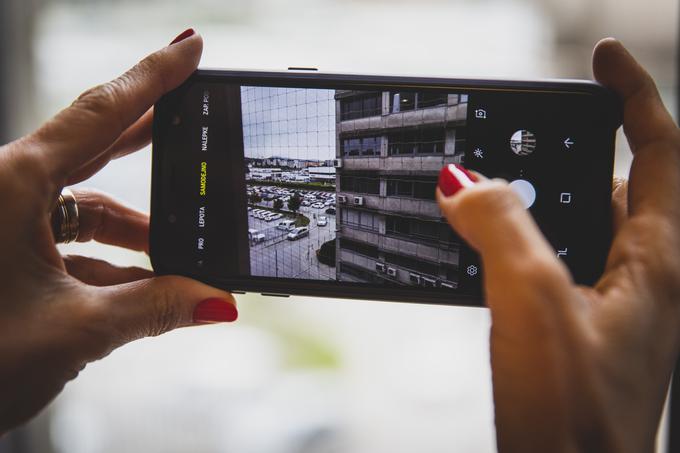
(64, 219)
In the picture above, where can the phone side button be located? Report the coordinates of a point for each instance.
(275, 295)
(237, 292)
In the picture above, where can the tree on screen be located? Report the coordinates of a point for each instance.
(294, 202)
(278, 204)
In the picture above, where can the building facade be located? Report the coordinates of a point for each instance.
(390, 147)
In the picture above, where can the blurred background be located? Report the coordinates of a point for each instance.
(297, 375)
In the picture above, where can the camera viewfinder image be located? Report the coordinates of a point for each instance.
(341, 184)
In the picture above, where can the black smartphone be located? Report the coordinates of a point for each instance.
(324, 185)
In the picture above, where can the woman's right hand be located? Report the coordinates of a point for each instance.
(585, 369)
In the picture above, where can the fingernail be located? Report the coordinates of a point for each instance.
(454, 177)
(215, 310)
(184, 35)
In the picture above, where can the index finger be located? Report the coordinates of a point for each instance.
(83, 131)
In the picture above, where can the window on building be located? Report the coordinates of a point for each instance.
(407, 187)
(431, 141)
(351, 147)
(361, 146)
(404, 101)
(425, 229)
(397, 225)
(422, 230)
(360, 184)
(399, 188)
(361, 106)
(360, 248)
(413, 264)
(429, 99)
(417, 141)
(448, 236)
(424, 190)
(451, 272)
(364, 220)
(370, 146)
(362, 274)
(461, 137)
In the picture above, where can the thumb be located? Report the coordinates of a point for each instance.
(488, 214)
(157, 305)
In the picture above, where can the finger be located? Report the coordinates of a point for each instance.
(81, 133)
(133, 139)
(96, 272)
(520, 266)
(619, 203)
(157, 305)
(106, 220)
(653, 136)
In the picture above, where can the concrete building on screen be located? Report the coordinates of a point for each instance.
(390, 147)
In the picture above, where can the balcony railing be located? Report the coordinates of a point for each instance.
(412, 248)
(455, 114)
(425, 209)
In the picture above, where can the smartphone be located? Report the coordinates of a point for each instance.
(318, 184)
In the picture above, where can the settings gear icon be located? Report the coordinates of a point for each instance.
(472, 270)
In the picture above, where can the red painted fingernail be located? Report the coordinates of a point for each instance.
(184, 35)
(215, 310)
(454, 177)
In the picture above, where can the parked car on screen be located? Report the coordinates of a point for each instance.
(255, 236)
(322, 221)
(330, 210)
(286, 225)
(277, 216)
(298, 233)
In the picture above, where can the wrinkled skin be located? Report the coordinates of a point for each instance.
(579, 369)
(59, 313)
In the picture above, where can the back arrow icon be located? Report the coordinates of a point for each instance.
(568, 143)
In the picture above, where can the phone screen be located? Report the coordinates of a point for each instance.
(335, 184)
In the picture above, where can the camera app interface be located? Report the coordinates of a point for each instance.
(328, 184)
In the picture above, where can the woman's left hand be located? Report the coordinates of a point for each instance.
(59, 313)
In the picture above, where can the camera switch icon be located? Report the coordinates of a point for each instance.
(565, 198)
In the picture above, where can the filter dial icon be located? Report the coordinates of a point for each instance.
(523, 142)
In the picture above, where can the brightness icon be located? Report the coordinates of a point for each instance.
(478, 153)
